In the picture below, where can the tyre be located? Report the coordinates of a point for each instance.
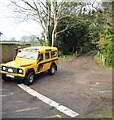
(29, 79)
(52, 69)
(4, 78)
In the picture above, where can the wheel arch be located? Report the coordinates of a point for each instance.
(53, 63)
(30, 70)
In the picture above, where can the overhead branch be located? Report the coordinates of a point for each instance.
(62, 30)
(18, 6)
(39, 15)
(29, 4)
(66, 28)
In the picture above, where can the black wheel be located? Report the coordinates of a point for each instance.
(4, 78)
(29, 79)
(52, 69)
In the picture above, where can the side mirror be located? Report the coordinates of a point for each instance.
(16, 51)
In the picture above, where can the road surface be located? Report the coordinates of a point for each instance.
(79, 85)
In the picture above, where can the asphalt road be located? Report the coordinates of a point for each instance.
(79, 85)
(16, 103)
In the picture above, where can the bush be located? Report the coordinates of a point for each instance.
(105, 45)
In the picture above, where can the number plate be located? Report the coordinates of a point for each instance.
(9, 75)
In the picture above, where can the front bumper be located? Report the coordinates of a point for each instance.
(13, 77)
(19, 78)
(13, 74)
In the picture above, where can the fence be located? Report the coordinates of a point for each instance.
(7, 51)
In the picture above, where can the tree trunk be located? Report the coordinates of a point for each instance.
(54, 32)
(48, 2)
(47, 23)
(46, 37)
(54, 39)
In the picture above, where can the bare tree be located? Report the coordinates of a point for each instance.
(47, 13)
(36, 10)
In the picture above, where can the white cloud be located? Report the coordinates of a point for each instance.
(10, 28)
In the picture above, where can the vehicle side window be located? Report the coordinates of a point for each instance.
(47, 55)
(40, 57)
(54, 54)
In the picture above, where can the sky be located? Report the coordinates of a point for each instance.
(10, 27)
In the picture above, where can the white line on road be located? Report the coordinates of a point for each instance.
(48, 101)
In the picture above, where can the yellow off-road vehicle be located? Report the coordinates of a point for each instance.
(29, 62)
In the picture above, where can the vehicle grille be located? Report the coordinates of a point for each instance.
(14, 70)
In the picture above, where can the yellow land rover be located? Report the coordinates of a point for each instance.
(29, 62)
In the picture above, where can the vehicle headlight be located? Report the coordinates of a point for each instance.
(20, 71)
(4, 68)
(10, 70)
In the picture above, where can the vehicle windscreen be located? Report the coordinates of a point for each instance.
(28, 55)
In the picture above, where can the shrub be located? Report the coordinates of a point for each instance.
(105, 45)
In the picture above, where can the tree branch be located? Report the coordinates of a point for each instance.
(62, 30)
(39, 15)
(27, 3)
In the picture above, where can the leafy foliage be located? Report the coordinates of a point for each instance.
(105, 45)
(74, 38)
(83, 34)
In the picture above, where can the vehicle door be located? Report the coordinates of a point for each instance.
(47, 61)
(40, 63)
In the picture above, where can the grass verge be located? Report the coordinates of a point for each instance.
(67, 57)
(107, 114)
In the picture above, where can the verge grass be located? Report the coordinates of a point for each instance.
(107, 114)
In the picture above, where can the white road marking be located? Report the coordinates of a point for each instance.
(48, 101)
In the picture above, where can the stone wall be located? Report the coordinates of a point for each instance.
(7, 51)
